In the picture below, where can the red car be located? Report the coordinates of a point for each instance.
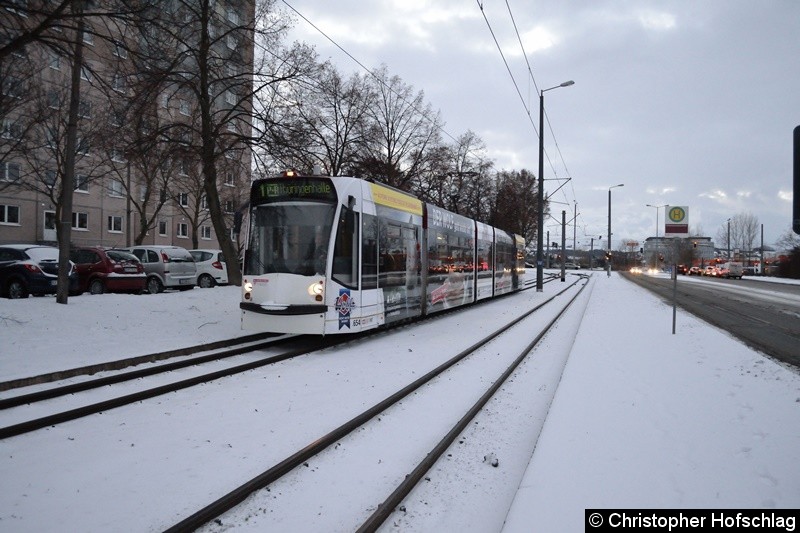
(101, 270)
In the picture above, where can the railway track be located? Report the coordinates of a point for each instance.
(307, 345)
(193, 356)
(302, 457)
(143, 425)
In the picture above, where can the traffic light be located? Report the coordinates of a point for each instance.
(694, 244)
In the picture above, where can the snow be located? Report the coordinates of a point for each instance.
(640, 418)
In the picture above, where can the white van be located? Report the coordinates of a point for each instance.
(734, 269)
(167, 267)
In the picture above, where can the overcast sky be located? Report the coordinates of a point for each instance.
(688, 103)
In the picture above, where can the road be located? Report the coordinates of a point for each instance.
(764, 316)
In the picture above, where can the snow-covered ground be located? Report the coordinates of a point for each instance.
(641, 418)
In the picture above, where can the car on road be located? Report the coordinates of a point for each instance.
(695, 271)
(100, 270)
(683, 269)
(31, 269)
(167, 267)
(572, 266)
(710, 270)
(211, 268)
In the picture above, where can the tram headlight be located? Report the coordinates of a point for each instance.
(316, 290)
(248, 289)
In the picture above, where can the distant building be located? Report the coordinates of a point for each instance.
(108, 186)
(692, 251)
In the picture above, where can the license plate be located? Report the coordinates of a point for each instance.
(184, 281)
(131, 269)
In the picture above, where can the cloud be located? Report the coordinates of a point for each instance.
(657, 21)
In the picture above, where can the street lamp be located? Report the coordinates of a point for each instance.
(609, 225)
(540, 201)
(658, 244)
(657, 208)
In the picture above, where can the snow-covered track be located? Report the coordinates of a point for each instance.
(307, 346)
(369, 416)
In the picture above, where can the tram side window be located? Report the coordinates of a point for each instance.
(392, 262)
(369, 253)
(345, 251)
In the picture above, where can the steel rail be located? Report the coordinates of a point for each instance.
(239, 494)
(387, 507)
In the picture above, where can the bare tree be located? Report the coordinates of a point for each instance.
(403, 129)
(743, 232)
(788, 241)
(197, 60)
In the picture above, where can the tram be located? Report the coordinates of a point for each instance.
(331, 255)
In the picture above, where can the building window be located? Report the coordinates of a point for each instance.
(9, 214)
(233, 16)
(203, 202)
(55, 61)
(53, 99)
(9, 171)
(231, 42)
(230, 97)
(114, 224)
(12, 87)
(228, 206)
(184, 107)
(81, 183)
(85, 109)
(88, 37)
(85, 73)
(80, 221)
(83, 146)
(183, 169)
(205, 232)
(118, 83)
(183, 230)
(117, 117)
(116, 156)
(50, 178)
(162, 228)
(120, 50)
(116, 188)
(11, 130)
(183, 199)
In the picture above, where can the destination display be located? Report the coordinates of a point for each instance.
(283, 189)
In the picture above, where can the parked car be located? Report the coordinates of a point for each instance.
(31, 269)
(101, 270)
(167, 267)
(211, 268)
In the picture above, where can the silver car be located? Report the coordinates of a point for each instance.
(167, 267)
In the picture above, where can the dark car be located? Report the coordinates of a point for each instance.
(31, 269)
(683, 269)
(101, 270)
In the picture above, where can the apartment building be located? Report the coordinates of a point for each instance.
(138, 174)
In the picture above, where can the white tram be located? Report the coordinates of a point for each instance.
(331, 255)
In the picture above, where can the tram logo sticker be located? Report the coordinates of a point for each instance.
(344, 305)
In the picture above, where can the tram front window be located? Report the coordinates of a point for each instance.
(289, 238)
